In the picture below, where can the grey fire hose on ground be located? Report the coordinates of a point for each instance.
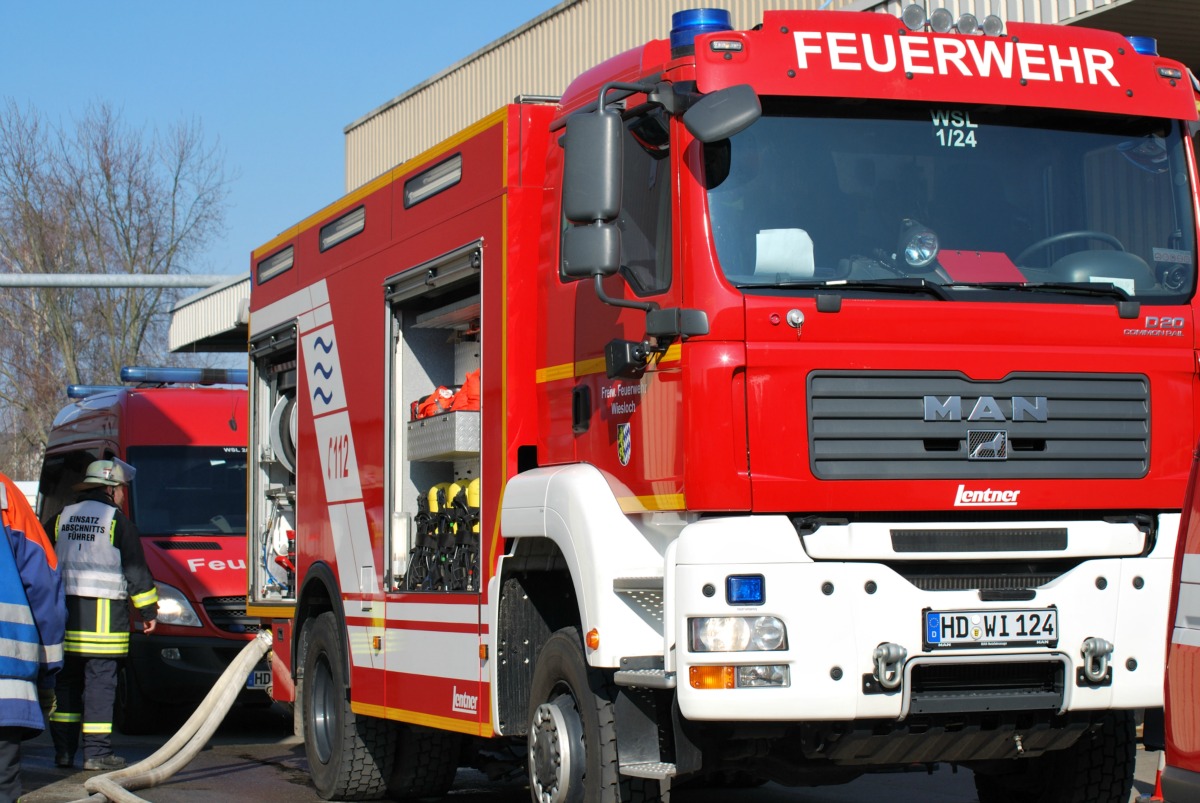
(191, 738)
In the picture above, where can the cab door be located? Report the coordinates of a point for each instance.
(628, 426)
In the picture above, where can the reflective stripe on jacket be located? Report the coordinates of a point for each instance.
(32, 613)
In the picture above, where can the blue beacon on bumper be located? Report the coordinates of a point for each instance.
(745, 589)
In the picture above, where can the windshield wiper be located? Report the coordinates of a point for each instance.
(898, 285)
(1098, 289)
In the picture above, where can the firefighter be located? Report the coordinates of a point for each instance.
(101, 560)
(32, 620)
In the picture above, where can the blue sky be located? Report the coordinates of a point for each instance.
(274, 82)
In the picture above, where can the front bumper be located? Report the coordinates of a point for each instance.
(838, 612)
(180, 671)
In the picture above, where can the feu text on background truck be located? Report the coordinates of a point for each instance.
(837, 382)
(188, 501)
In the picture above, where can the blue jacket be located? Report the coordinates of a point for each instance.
(33, 612)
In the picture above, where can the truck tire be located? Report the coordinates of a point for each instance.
(349, 757)
(1096, 769)
(572, 736)
(425, 763)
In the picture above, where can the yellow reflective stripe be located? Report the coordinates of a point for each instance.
(82, 641)
(84, 645)
(62, 716)
(97, 727)
(85, 635)
(146, 598)
(103, 615)
(594, 365)
(112, 530)
(95, 649)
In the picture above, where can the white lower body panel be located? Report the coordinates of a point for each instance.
(838, 612)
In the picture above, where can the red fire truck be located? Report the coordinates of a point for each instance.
(836, 382)
(188, 501)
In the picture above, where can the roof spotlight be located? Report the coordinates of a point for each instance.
(914, 17)
(993, 25)
(968, 23)
(941, 20)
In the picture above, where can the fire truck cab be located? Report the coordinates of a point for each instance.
(188, 444)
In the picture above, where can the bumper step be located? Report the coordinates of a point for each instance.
(651, 769)
(645, 678)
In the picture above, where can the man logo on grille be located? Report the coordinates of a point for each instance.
(624, 444)
(987, 444)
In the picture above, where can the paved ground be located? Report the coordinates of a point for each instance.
(254, 757)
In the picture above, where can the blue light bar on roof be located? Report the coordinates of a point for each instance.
(686, 25)
(1146, 45)
(184, 376)
(83, 391)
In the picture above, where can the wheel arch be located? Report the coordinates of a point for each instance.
(318, 594)
(574, 508)
(536, 597)
(569, 544)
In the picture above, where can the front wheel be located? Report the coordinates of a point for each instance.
(1096, 769)
(572, 735)
(349, 757)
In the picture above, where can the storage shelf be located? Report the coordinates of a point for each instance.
(457, 315)
(444, 438)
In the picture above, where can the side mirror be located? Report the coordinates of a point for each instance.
(592, 167)
(723, 113)
(591, 251)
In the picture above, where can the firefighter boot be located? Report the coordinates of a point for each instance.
(106, 763)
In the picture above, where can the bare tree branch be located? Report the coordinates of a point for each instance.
(97, 197)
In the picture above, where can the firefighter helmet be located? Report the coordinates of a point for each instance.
(107, 472)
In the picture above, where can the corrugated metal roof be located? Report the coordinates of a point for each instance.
(212, 320)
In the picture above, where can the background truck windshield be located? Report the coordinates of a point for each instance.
(954, 195)
(180, 490)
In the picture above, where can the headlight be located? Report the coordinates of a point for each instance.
(737, 633)
(174, 609)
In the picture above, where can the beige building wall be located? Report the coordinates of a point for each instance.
(539, 58)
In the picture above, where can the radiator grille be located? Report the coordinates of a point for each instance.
(229, 614)
(874, 426)
(969, 540)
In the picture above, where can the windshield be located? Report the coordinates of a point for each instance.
(181, 490)
(955, 196)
